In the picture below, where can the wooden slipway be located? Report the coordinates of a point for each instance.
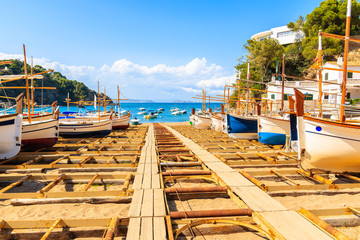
(147, 209)
(268, 212)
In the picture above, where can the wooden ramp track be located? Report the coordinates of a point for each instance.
(147, 209)
(268, 213)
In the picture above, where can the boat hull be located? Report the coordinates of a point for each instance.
(121, 122)
(241, 127)
(272, 130)
(216, 123)
(330, 146)
(40, 134)
(202, 122)
(10, 139)
(86, 129)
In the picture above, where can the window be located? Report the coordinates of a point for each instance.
(348, 95)
(285, 97)
(349, 75)
(326, 96)
(272, 96)
(285, 34)
(308, 96)
(326, 76)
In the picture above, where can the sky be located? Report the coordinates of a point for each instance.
(164, 50)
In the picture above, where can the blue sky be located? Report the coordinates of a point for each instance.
(159, 50)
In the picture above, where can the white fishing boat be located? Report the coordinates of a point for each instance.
(151, 115)
(202, 121)
(143, 113)
(182, 111)
(216, 122)
(160, 110)
(142, 109)
(174, 110)
(10, 128)
(90, 128)
(324, 144)
(135, 121)
(176, 113)
(121, 122)
(39, 133)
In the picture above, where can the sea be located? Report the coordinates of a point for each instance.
(162, 117)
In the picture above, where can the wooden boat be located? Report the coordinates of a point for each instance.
(10, 128)
(324, 144)
(39, 133)
(241, 127)
(217, 122)
(273, 130)
(202, 121)
(100, 128)
(151, 115)
(121, 122)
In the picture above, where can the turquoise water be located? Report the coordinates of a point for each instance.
(162, 117)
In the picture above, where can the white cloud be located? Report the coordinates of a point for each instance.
(157, 82)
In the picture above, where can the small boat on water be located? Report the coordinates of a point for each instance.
(143, 113)
(10, 128)
(160, 110)
(151, 115)
(135, 121)
(174, 110)
(142, 109)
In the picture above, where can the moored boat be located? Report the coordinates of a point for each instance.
(135, 121)
(216, 122)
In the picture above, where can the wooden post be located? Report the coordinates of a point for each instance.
(247, 89)
(7, 188)
(48, 232)
(346, 50)
(282, 85)
(104, 100)
(90, 182)
(320, 75)
(32, 86)
(27, 85)
(110, 230)
(99, 100)
(51, 185)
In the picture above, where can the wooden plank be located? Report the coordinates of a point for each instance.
(136, 203)
(138, 181)
(146, 228)
(159, 228)
(234, 179)
(159, 204)
(133, 232)
(154, 169)
(147, 181)
(140, 168)
(257, 199)
(147, 169)
(291, 225)
(147, 207)
(155, 181)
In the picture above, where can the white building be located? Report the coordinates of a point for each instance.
(283, 34)
(331, 92)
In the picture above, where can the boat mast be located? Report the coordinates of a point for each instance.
(104, 100)
(99, 100)
(32, 86)
(247, 89)
(346, 50)
(320, 75)
(27, 85)
(118, 92)
(68, 101)
(282, 84)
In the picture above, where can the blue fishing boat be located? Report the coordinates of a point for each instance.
(241, 127)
